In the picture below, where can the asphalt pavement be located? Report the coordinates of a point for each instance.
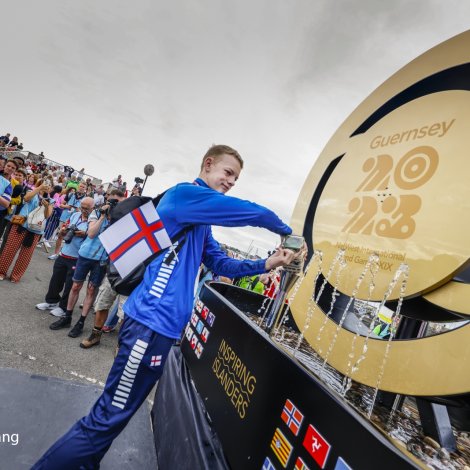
(27, 343)
(43, 408)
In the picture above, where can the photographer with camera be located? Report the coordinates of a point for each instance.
(73, 233)
(92, 259)
(71, 205)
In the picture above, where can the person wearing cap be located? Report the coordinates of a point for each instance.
(72, 182)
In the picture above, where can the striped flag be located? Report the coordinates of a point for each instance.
(281, 447)
(300, 465)
(134, 238)
(292, 417)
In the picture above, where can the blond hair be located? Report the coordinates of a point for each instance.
(217, 151)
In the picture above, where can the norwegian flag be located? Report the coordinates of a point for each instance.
(292, 417)
(135, 237)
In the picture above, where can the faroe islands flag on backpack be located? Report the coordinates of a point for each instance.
(135, 237)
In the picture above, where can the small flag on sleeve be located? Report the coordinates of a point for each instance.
(135, 237)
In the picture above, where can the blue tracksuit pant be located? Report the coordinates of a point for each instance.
(137, 367)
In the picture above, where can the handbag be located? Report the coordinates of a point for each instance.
(36, 219)
(18, 219)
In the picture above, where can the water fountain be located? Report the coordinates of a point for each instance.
(359, 376)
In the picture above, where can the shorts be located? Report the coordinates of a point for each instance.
(92, 266)
(106, 296)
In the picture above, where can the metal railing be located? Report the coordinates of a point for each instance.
(7, 152)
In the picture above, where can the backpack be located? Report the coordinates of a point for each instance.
(125, 286)
(36, 219)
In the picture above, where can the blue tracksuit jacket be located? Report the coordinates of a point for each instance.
(163, 301)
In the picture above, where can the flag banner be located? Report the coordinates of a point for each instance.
(199, 327)
(267, 465)
(189, 333)
(135, 237)
(199, 349)
(300, 464)
(204, 313)
(205, 334)
(316, 446)
(342, 465)
(281, 447)
(210, 319)
(292, 417)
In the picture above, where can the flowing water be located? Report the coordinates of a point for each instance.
(402, 425)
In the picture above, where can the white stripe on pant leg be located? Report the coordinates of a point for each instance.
(126, 381)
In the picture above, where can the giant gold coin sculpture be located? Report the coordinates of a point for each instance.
(394, 180)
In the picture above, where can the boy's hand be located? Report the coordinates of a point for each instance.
(282, 257)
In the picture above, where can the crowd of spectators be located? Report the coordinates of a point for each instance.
(45, 204)
(7, 144)
(48, 205)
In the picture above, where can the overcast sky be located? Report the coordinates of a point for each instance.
(112, 85)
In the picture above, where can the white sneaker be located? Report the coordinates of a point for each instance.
(47, 244)
(54, 256)
(57, 312)
(46, 306)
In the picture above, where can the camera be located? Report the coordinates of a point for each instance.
(111, 203)
(138, 180)
(293, 242)
(70, 233)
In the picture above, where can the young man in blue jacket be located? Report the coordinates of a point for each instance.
(159, 308)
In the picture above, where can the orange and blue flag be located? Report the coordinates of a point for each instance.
(292, 417)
